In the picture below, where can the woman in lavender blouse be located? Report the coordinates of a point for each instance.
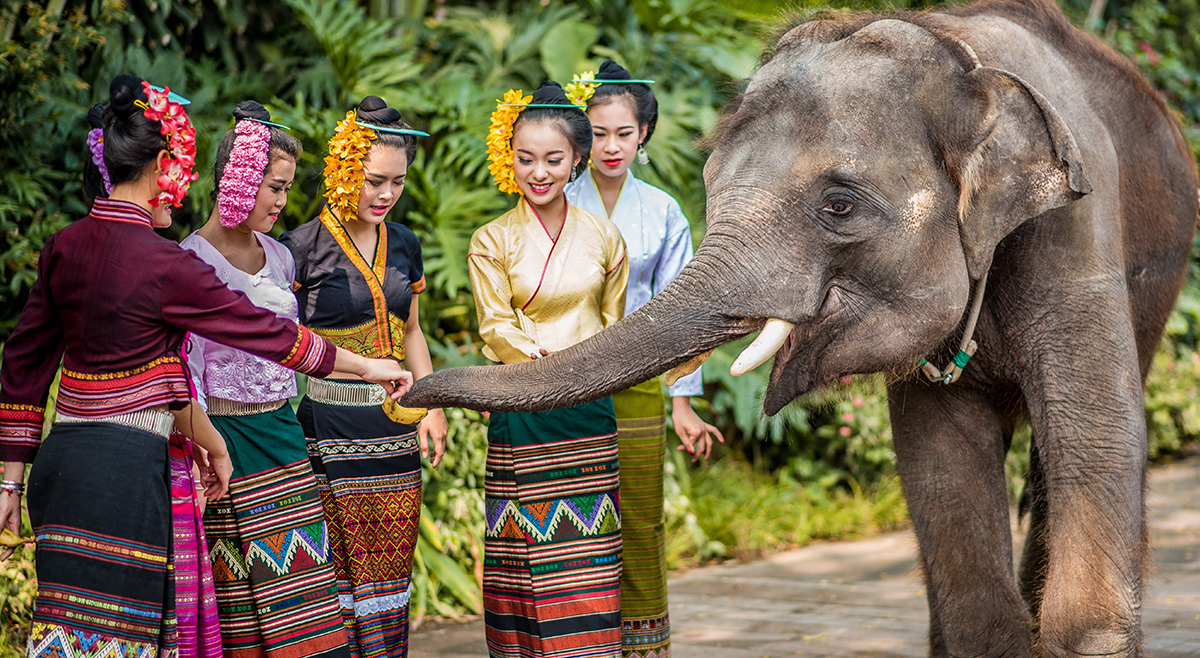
(276, 587)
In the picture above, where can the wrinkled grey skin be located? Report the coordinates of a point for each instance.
(1051, 167)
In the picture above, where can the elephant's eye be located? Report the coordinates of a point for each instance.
(838, 208)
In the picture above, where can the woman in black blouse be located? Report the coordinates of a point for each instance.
(357, 279)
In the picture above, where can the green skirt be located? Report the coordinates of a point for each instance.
(641, 443)
(276, 592)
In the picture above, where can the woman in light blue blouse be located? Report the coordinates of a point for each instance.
(623, 113)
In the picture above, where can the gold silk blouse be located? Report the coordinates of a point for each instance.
(533, 292)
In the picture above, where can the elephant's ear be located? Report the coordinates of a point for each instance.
(1026, 163)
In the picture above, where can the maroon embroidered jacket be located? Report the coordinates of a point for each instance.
(113, 301)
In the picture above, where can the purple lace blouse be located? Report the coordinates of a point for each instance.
(224, 372)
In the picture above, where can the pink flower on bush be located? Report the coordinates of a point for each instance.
(1149, 51)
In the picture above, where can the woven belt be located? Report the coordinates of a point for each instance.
(346, 394)
(154, 421)
(223, 407)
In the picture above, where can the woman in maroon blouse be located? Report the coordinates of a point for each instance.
(113, 301)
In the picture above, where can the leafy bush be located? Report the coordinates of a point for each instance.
(731, 510)
(448, 570)
(18, 587)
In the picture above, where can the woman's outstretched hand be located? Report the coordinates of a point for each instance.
(388, 374)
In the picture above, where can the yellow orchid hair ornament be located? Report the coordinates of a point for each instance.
(344, 175)
(581, 88)
(499, 139)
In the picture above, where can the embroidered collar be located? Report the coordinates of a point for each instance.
(373, 274)
(120, 211)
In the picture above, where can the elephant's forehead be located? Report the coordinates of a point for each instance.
(854, 98)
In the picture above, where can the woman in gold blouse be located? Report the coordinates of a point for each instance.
(547, 275)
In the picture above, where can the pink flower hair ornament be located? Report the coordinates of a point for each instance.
(243, 172)
(178, 170)
(95, 141)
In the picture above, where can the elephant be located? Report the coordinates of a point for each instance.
(896, 186)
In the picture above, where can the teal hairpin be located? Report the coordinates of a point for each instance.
(550, 105)
(269, 123)
(172, 96)
(389, 129)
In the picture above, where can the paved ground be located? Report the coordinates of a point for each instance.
(864, 599)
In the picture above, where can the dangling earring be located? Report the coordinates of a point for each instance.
(574, 173)
(643, 159)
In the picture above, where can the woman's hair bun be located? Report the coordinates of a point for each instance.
(124, 90)
(251, 110)
(374, 109)
(550, 92)
(611, 70)
(95, 116)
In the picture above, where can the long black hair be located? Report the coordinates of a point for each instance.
(570, 121)
(645, 105)
(131, 141)
(283, 145)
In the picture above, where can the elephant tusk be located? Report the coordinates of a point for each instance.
(769, 340)
(686, 368)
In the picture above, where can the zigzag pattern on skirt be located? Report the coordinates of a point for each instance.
(276, 552)
(539, 521)
(53, 641)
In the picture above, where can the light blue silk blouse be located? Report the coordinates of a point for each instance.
(657, 237)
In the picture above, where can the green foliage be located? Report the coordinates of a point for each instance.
(448, 569)
(18, 586)
(1163, 38)
(40, 115)
(731, 510)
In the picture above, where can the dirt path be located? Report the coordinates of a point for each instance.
(864, 598)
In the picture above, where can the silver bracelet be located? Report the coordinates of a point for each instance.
(13, 486)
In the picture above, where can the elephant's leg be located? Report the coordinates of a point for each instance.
(1092, 451)
(1033, 558)
(950, 447)
(937, 643)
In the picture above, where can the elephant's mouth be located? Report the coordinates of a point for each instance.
(795, 369)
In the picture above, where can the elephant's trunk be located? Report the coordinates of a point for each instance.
(680, 323)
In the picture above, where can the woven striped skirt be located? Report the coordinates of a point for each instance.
(269, 546)
(641, 435)
(100, 505)
(195, 599)
(552, 562)
(368, 471)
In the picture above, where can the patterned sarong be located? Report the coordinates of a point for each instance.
(195, 600)
(269, 547)
(641, 433)
(368, 471)
(552, 562)
(101, 512)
